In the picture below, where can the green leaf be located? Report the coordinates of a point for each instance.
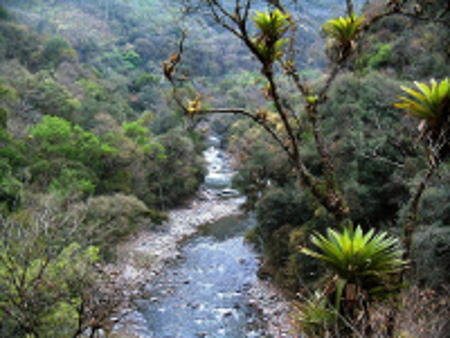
(353, 254)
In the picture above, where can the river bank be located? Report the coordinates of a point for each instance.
(144, 257)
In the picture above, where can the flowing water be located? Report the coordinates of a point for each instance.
(203, 294)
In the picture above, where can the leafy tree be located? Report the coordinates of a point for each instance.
(4, 14)
(180, 157)
(11, 189)
(39, 276)
(51, 285)
(110, 219)
(8, 95)
(49, 97)
(57, 50)
(381, 58)
(132, 59)
(68, 158)
(19, 42)
(297, 122)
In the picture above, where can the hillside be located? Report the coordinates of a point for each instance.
(105, 107)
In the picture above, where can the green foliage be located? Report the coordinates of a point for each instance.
(271, 53)
(11, 190)
(431, 255)
(49, 97)
(110, 219)
(344, 30)
(137, 132)
(283, 206)
(314, 316)
(356, 257)
(7, 93)
(68, 159)
(93, 89)
(367, 142)
(432, 106)
(131, 59)
(175, 152)
(48, 173)
(56, 137)
(285, 219)
(261, 162)
(4, 14)
(41, 280)
(381, 58)
(70, 182)
(3, 118)
(57, 50)
(145, 79)
(19, 42)
(272, 26)
(431, 251)
(429, 103)
(8, 96)
(12, 151)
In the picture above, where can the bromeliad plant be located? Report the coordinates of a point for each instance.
(271, 28)
(314, 317)
(358, 259)
(430, 104)
(344, 30)
(361, 263)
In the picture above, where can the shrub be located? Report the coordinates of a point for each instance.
(62, 175)
(4, 14)
(314, 317)
(132, 59)
(3, 118)
(111, 219)
(11, 190)
(43, 275)
(431, 254)
(57, 50)
(381, 58)
(282, 206)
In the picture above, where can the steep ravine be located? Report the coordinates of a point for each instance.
(199, 273)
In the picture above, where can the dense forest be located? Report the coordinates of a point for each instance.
(336, 114)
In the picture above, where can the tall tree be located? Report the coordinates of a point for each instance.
(270, 38)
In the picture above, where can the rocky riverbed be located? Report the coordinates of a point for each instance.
(152, 249)
(145, 257)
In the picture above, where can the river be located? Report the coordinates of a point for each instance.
(203, 293)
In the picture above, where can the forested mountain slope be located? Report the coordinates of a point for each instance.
(94, 147)
(326, 148)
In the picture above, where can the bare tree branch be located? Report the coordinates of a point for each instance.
(255, 118)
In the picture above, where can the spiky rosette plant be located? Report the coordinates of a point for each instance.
(271, 28)
(361, 259)
(314, 316)
(344, 30)
(431, 105)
